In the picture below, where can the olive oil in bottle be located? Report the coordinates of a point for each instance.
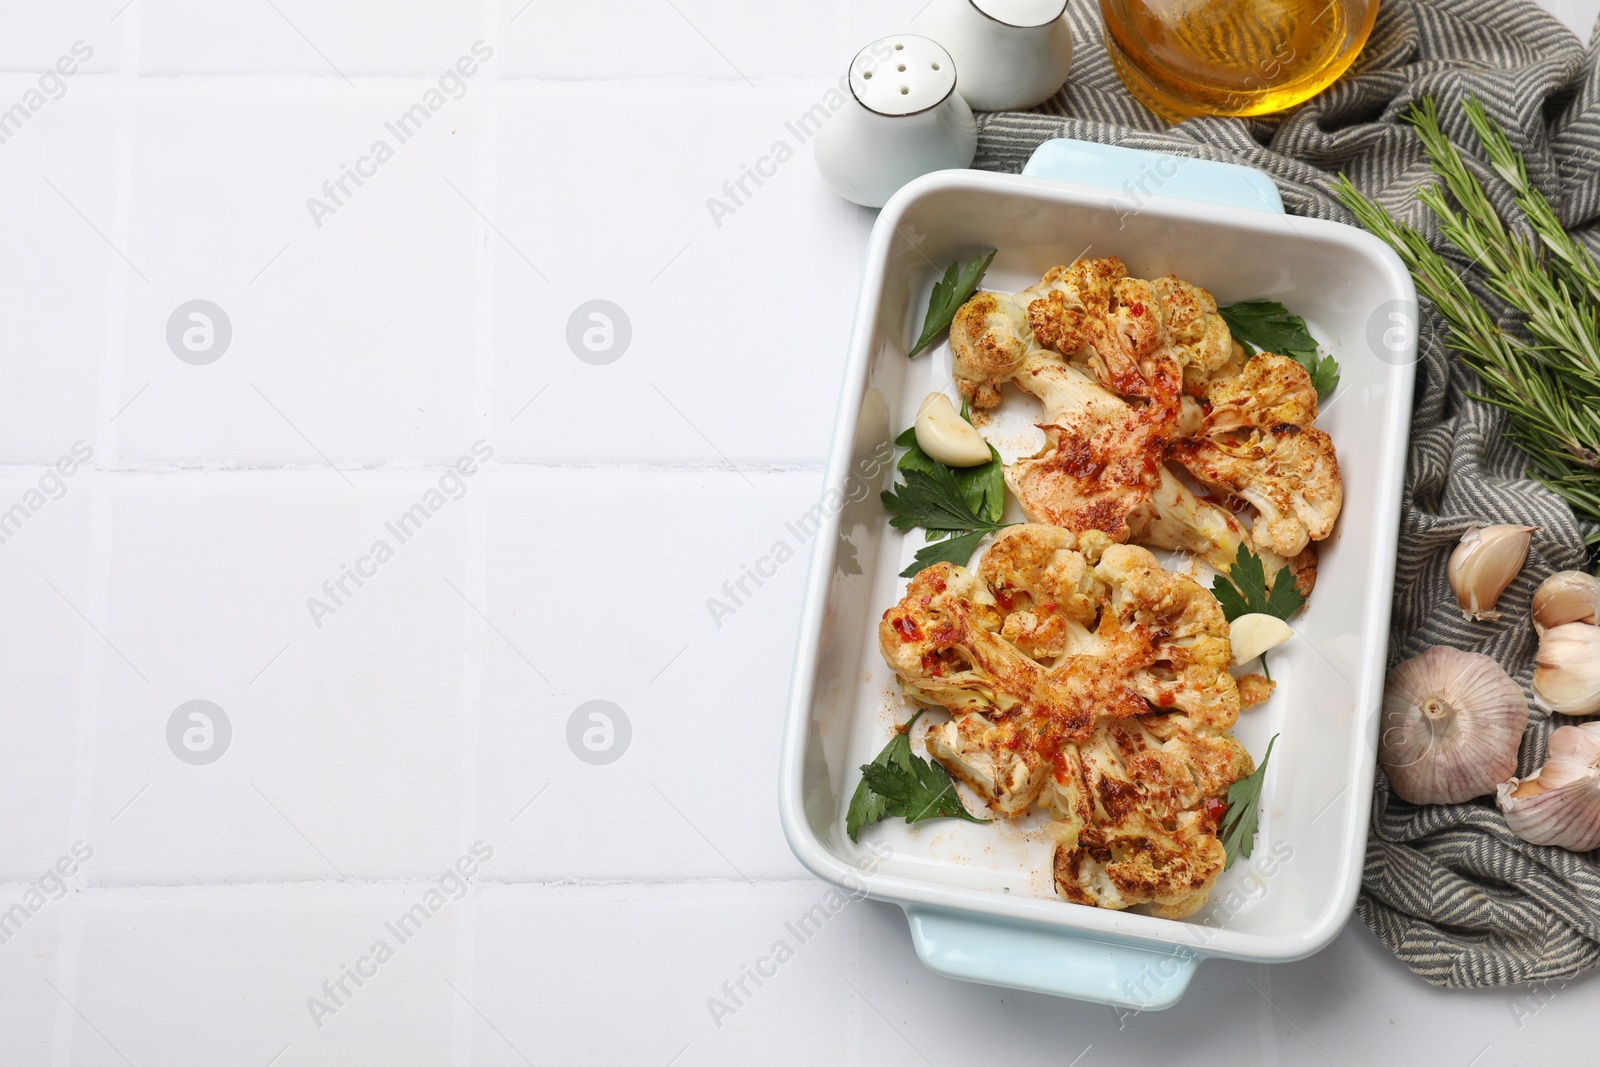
(1232, 57)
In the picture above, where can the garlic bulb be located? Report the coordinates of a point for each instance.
(1561, 804)
(1484, 563)
(1452, 722)
(1570, 596)
(1567, 675)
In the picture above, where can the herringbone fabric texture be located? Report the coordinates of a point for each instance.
(1456, 896)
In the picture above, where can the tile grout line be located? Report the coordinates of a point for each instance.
(419, 879)
(97, 567)
(475, 554)
(111, 401)
(97, 563)
(818, 79)
(31, 466)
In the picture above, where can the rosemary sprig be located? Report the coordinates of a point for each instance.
(1572, 260)
(1550, 386)
(1556, 315)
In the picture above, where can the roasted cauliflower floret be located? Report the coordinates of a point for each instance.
(1146, 339)
(989, 339)
(1133, 823)
(1046, 563)
(1135, 356)
(1254, 689)
(986, 755)
(1143, 862)
(927, 638)
(1199, 339)
(1176, 519)
(1102, 456)
(1289, 473)
(1270, 390)
(1069, 310)
(1188, 634)
(1043, 577)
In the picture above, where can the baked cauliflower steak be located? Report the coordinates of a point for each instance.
(1082, 677)
(1141, 380)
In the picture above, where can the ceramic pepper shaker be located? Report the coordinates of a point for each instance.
(904, 119)
(1011, 53)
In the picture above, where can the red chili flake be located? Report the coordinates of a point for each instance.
(1050, 606)
(906, 628)
(1136, 310)
(1215, 809)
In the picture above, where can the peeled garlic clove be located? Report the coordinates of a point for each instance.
(943, 434)
(1567, 671)
(1253, 634)
(1484, 563)
(1561, 804)
(1452, 723)
(1569, 596)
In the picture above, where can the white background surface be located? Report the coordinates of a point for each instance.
(429, 312)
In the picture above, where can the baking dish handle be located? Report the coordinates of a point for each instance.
(995, 952)
(1136, 175)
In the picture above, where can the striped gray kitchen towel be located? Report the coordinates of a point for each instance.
(1456, 896)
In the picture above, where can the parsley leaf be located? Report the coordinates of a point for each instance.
(1239, 823)
(933, 500)
(867, 807)
(949, 293)
(1244, 589)
(957, 549)
(1267, 326)
(1324, 374)
(983, 487)
(899, 784)
(927, 498)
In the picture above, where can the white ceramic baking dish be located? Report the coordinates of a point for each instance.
(979, 899)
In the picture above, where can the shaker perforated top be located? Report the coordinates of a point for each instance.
(902, 75)
(1023, 13)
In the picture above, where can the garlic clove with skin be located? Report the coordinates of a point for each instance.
(943, 434)
(1566, 675)
(1568, 596)
(1452, 723)
(1484, 563)
(1561, 804)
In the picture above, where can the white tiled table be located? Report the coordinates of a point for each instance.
(377, 737)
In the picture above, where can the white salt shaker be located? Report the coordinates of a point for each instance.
(1011, 53)
(903, 120)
